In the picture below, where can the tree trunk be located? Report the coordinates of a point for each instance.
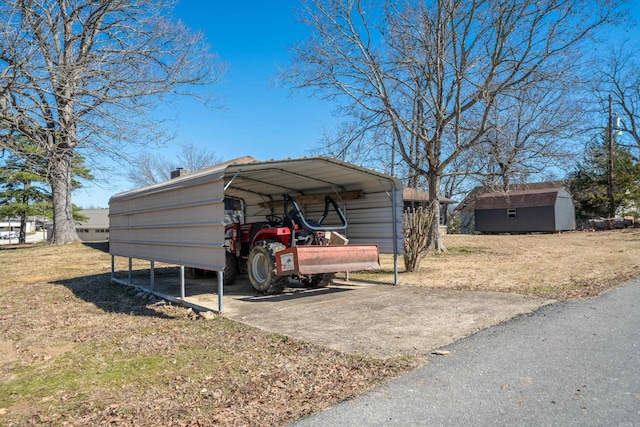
(417, 223)
(434, 243)
(22, 238)
(63, 224)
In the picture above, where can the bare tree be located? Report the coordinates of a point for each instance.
(366, 144)
(151, 168)
(432, 71)
(81, 75)
(529, 133)
(619, 76)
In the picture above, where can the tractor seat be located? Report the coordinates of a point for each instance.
(255, 227)
(296, 220)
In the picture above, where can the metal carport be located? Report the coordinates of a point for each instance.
(182, 221)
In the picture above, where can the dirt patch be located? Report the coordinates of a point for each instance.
(7, 353)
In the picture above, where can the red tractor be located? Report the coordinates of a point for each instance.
(275, 250)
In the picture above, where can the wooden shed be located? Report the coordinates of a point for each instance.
(540, 210)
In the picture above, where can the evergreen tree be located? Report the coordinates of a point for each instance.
(24, 185)
(589, 182)
(23, 188)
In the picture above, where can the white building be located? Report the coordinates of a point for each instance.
(96, 228)
(14, 225)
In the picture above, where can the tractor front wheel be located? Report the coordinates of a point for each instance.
(230, 269)
(261, 266)
(193, 273)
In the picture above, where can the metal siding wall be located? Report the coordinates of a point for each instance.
(534, 219)
(179, 224)
(565, 212)
(369, 219)
(256, 213)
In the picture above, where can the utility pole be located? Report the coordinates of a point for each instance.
(612, 208)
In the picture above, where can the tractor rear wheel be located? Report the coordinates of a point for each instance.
(261, 266)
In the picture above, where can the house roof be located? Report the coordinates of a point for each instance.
(468, 204)
(518, 199)
(413, 195)
(98, 218)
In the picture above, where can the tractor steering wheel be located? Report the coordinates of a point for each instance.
(274, 220)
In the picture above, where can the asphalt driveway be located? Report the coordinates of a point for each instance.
(568, 364)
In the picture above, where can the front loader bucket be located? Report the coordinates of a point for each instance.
(326, 259)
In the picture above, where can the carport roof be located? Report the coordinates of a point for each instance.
(268, 180)
(263, 181)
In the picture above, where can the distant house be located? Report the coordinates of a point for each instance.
(526, 211)
(13, 224)
(96, 228)
(415, 198)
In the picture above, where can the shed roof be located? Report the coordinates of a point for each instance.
(97, 218)
(518, 199)
(267, 180)
(468, 204)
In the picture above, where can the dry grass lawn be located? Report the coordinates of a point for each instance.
(559, 266)
(77, 350)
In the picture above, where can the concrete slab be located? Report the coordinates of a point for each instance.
(354, 317)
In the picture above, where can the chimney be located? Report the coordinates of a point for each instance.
(178, 173)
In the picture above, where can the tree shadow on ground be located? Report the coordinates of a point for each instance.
(99, 246)
(112, 297)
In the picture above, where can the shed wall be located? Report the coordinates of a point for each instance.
(528, 219)
(565, 212)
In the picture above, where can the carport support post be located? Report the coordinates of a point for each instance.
(152, 274)
(394, 217)
(113, 267)
(182, 293)
(220, 290)
(130, 271)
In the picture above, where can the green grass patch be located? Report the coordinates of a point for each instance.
(278, 337)
(78, 371)
(465, 250)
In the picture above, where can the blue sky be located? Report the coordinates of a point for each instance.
(256, 118)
